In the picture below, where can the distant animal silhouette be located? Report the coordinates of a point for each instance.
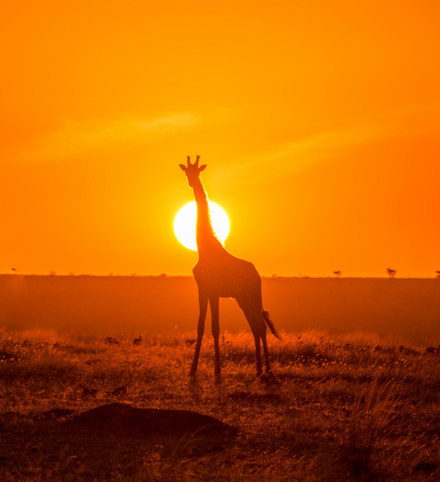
(391, 272)
(118, 391)
(220, 275)
(138, 340)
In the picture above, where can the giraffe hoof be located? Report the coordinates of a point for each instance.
(192, 373)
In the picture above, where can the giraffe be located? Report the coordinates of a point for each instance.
(218, 274)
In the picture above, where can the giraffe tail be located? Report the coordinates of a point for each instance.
(270, 324)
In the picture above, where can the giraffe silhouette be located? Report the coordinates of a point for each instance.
(220, 275)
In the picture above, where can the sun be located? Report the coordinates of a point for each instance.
(185, 224)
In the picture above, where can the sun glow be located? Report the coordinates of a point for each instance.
(185, 224)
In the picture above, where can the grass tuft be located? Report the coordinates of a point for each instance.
(368, 418)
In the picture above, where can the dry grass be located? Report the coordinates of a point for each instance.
(346, 407)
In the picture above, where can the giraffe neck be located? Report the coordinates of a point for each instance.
(207, 241)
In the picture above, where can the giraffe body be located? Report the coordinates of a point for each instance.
(219, 274)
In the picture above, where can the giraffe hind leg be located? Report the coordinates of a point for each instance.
(266, 356)
(258, 355)
(255, 319)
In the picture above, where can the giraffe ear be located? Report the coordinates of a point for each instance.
(202, 168)
(182, 167)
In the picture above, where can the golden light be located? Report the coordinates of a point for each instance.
(185, 224)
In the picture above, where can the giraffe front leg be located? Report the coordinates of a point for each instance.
(214, 303)
(203, 304)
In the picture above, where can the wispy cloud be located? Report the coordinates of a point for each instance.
(75, 137)
(324, 146)
(299, 154)
(319, 146)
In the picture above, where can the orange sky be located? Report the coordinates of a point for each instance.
(319, 122)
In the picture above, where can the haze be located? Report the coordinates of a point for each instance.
(319, 122)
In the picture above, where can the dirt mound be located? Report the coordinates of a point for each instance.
(123, 418)
(114, 435)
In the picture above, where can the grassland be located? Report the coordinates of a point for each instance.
(344, 407)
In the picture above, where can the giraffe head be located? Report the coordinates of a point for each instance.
(192, 171)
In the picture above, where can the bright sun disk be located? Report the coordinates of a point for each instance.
(185, 224)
